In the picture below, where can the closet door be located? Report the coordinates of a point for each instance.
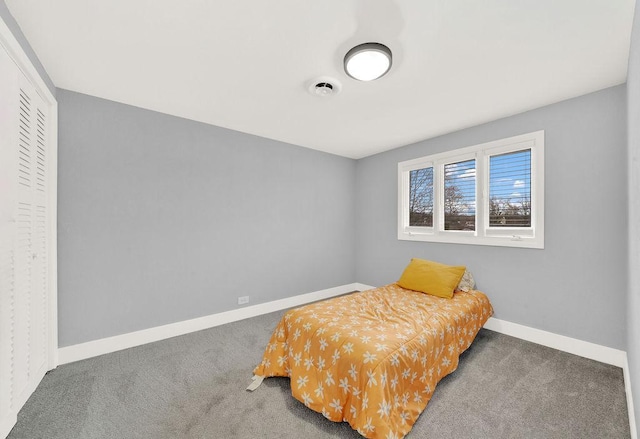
(30, 248)
(9, 82)
(25, 318)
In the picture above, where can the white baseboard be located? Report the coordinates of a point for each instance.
(102, 346)
(627, 388)
(574, 346)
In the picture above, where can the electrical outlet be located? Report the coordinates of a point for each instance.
(242, 300)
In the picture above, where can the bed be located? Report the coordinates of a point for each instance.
(373, 358)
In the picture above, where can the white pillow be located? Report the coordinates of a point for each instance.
(467, 282)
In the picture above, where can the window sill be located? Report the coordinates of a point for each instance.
(473, 239)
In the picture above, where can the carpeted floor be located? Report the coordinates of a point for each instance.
(193, 386)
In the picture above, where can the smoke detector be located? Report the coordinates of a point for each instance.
(324, 87)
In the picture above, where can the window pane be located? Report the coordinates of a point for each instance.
(421, 198)
(460, 195)
(510, 189)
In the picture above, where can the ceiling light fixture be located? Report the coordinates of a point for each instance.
(367, 61)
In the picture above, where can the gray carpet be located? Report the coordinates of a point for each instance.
(193, 387)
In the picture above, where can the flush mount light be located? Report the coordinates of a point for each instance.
(367, 61)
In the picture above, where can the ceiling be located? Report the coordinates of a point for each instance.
(247, 65)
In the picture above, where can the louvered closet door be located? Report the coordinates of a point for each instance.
(24, 319)
(9, 83)
(30, 264)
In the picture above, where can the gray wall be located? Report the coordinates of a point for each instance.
(577, 285)
(633, 307)
(17, 32)
(162, 219)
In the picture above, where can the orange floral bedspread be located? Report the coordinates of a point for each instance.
(373, 359)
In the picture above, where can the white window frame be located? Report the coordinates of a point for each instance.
(526, 237)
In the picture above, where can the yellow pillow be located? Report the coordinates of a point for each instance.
(431, 277)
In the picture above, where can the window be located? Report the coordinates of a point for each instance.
(510, 189)
(489, 194)
(460, 195)
(421, 197)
